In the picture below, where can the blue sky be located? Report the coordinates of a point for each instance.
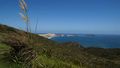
(65, 16)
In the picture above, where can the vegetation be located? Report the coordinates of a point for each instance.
(20, 49)
(50, 54)
(24, 13)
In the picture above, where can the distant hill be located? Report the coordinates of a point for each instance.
(51, 54)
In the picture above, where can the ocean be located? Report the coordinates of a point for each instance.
(101, 41)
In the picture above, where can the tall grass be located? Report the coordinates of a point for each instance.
(24, 13)
(22, 51)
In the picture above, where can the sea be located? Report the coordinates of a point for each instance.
(100, 41)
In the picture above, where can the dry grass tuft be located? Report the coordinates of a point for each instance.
(24, 13)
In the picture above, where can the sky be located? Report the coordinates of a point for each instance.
(65, 16)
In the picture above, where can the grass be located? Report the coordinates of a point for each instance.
(51, 54)
(3, 49)
(44, 53)
(44, 62)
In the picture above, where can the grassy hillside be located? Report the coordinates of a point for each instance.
(50, 54)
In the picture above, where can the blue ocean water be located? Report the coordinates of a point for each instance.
(102, 41)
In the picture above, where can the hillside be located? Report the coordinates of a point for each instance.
(51, 54)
